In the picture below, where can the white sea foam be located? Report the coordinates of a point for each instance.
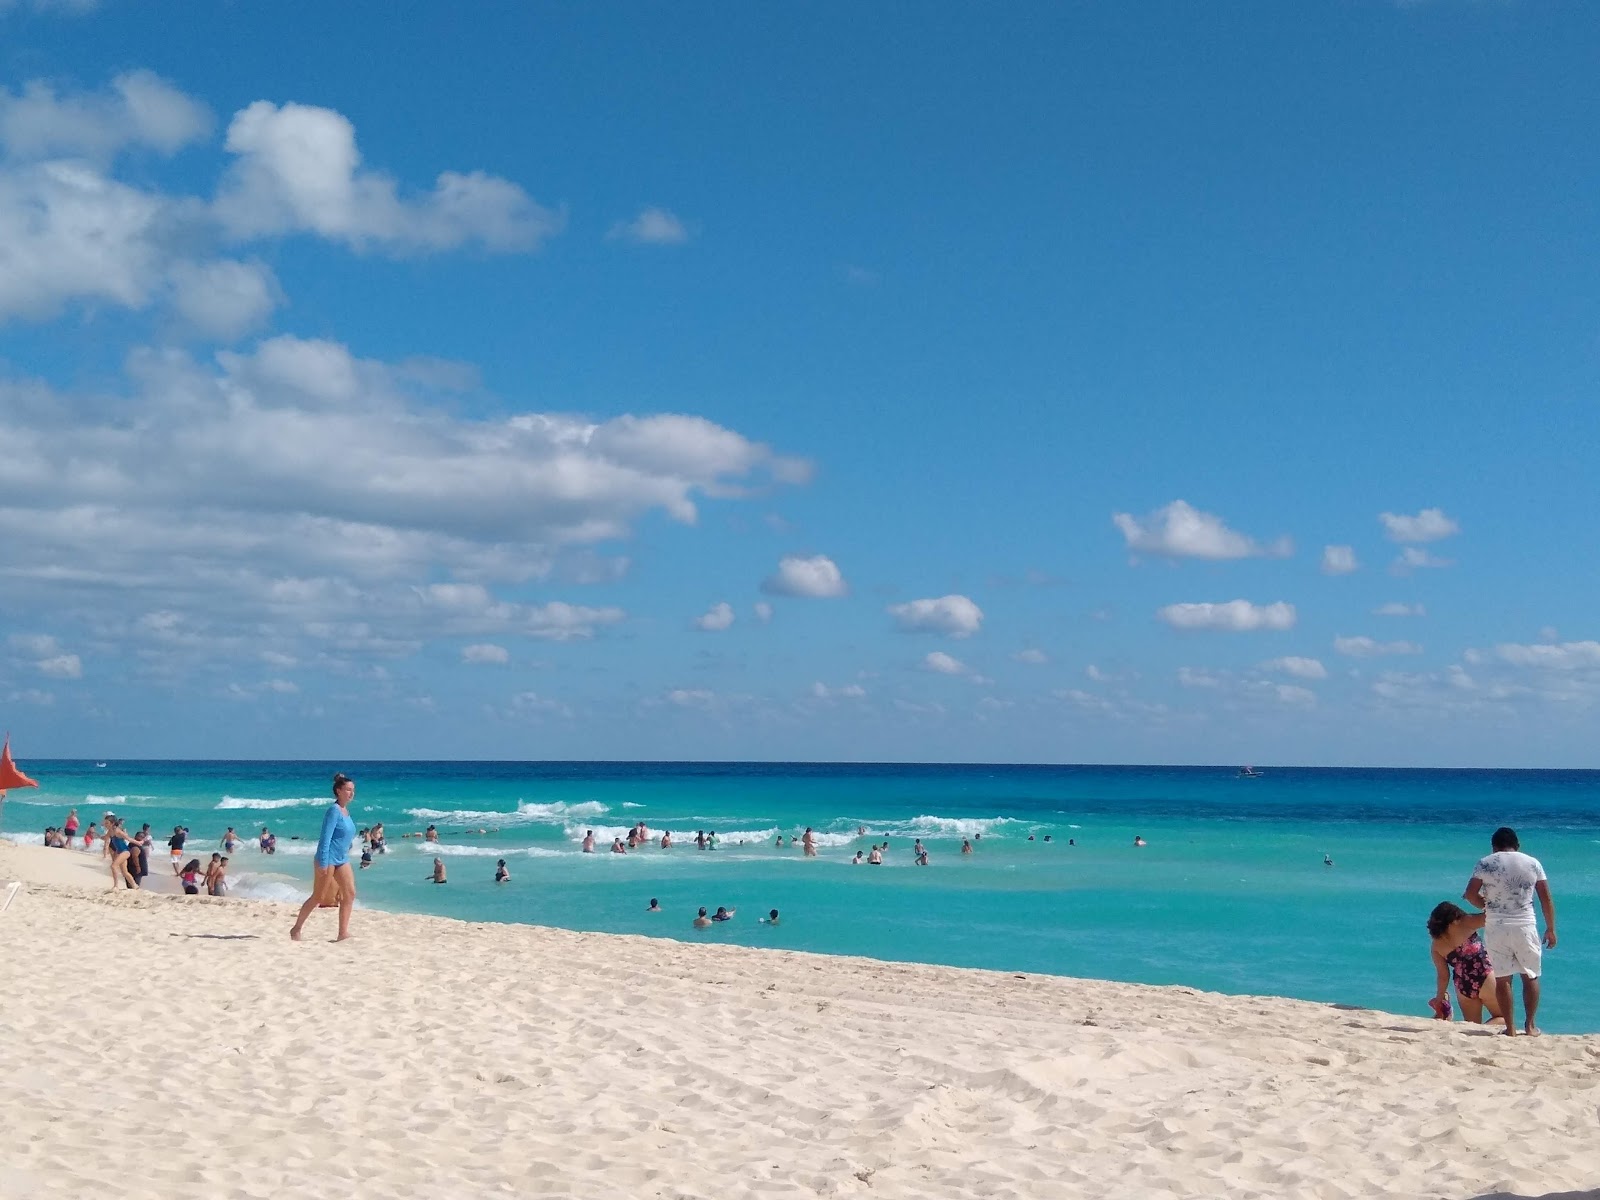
(29, 839)
(631, 804)
(681, 836)
(246, 886)
(526, 813)
(951, 827)
(288, 802)
(93, 799)
(446, 850)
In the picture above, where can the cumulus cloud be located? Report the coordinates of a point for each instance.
(943, 664)
(297, 169)
(816, 576)
(297, 494)
(485, 652)
(1032, 656)
(139, 109)
(1562, 656)
(1235, 616)
(61, 666)
(1182, 531)
(652, 227)
(954, 616)
(1429, 525)
(1194, 677)
(715, 619)
(691, 697)
(1300, 668)
(1365, 647)
(1395, 609)
(1338, 560)
(224, 299)
(763, 611)
(849, 691)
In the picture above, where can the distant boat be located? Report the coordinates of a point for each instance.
(1250, 773)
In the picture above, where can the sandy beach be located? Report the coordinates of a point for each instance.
(159, 1045)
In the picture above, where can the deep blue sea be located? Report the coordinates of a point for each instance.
(1230, 893)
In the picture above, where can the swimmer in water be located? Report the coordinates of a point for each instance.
(654, 907)
(779, 842)
(966, 846)
(810, 843)
(875, 859)
(1327, 861)
(617, 847)
(771, 918)
(666, 839)
(430, 834)
(702, 921)
(588, 842)
(722, 914)
(438, 871)
(1139, 841)
(501, 875)
(856, 861)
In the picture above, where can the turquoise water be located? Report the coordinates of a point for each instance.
(1230, 894)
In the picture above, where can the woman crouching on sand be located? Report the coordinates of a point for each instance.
(331, 872)
(1458, 953)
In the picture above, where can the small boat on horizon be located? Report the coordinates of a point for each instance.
(1250, 773)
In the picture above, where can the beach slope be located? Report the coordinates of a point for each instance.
(154, 1046)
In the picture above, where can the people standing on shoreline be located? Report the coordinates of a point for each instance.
(118, 847)
(1504, 884)
(331, 874)
(70, 825)
(175, 845)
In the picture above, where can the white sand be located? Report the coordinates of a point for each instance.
(166, 1046)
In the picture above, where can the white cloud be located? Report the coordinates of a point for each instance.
(1414, 558)
(1096, 674)
(560, 622)
(1429, 525)
(763, 611)
(1563, 656)
(62, 666)
(140, 109)
(652, 227)
(32, 696)
(223, 298)
(1365, 647)
(941, 663)
(1294, 695)
(1236, 616)
(955, 616)
(1338, 560)
(1032, 656)
(34, 645)
(1181, 531)
(485, 652)
(849, 691)
(1300, 668)
(715, 619)
(816, 576)
(691, 697)
(298, 169)
(1395, 609)
(1193, 677)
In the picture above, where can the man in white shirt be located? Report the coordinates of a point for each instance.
(1504, 884)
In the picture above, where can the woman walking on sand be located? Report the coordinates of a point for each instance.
(118, 845)
(331, 872)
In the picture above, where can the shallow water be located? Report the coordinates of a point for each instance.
(1230, 894)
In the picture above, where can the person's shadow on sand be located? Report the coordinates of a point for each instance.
(220, 937)
(1591, 1194)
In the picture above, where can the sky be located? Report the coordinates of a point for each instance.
(1066, 382)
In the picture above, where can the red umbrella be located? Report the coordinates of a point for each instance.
(10, 777)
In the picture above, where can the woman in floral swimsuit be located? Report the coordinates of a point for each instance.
(1459, 954)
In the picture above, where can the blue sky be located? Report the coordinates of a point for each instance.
(409, 386)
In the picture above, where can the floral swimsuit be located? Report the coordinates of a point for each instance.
(1469, 964)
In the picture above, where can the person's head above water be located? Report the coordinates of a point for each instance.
(702, 912)
(1505, 838)
(720, 910)
(1444, 915)
(653, 903)
(773, 915)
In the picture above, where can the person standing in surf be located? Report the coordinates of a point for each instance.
(331, 870)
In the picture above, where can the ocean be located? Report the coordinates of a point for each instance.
(1230, 892)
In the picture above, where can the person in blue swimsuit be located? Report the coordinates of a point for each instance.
(333, 882)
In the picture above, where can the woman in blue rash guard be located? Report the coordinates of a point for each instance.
(332, 864)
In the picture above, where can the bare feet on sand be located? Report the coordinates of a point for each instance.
(294, 934)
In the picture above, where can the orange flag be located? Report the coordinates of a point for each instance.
(10, 777)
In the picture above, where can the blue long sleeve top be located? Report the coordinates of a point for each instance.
(338, 832)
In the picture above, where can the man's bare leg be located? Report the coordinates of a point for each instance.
(1530, 1003)
(1502, 993)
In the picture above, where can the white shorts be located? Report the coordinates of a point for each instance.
(1513, 949)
